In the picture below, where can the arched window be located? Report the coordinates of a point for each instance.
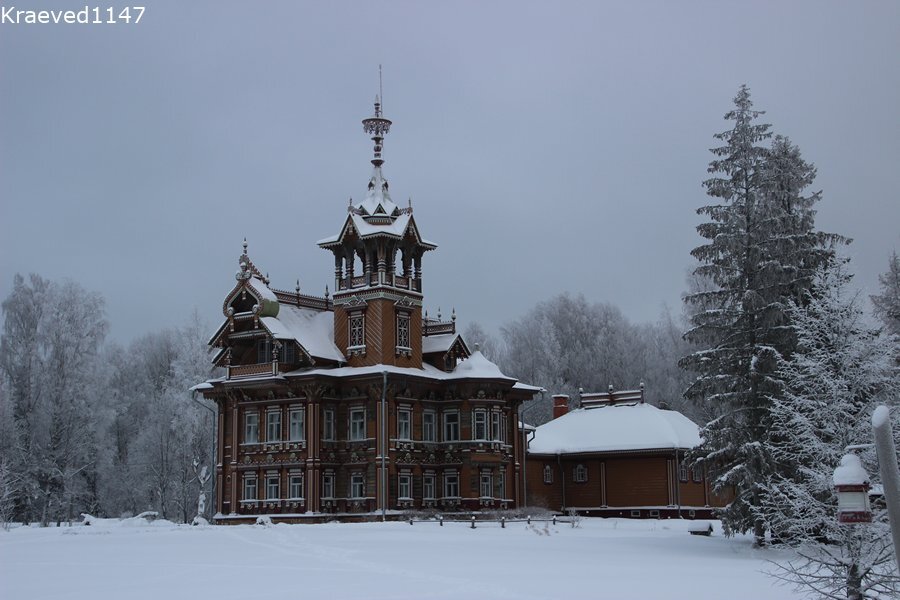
(581, 474)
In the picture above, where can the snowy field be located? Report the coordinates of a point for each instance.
(602, 558)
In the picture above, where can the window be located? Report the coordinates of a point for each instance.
(479, 425)
(428, 487)
(357, 424)
(548, 474)
(697, 474)
(251, 428)
(250, 487)
(357, 486)
(451, 426)
(428, 433)
(405, 487)
(504, 425)
(273, 426)
(403, 330)
(263, 351)
(287, 354)
(296, 485)
(404, 420)
(328, 424)
(272, 487)
(451, 485)
(357, 331)
(502, 483)
(682, 472)
(580, 475)
(297, 424)
(328, 485)
(487, 485)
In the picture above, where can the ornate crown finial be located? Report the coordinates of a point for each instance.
(245, 245)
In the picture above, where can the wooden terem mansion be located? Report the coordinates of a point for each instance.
(357, 403)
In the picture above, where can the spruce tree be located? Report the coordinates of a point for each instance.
(887, 303)
(761, 252)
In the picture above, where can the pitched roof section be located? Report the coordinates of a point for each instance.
(312, 329)
(615, 428)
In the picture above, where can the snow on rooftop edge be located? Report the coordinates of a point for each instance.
(617, 427)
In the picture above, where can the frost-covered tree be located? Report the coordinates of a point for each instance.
(49, 350)
(887, 303)
(760, 253)
(839, 372)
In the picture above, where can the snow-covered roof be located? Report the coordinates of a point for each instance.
(615, 427)
(438, 343)
(262, 289)
(477, 366)
(312, 329)
(850, 471)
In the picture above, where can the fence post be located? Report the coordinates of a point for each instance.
(441, 520)
(473, 521)
(554, 519)
(502, 522)
(529, 519)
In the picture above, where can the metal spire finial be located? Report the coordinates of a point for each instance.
(377, 126)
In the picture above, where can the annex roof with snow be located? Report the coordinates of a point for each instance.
(615, 422)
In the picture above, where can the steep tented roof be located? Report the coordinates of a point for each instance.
(615, 427)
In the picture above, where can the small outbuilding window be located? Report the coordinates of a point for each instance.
(682, 472)
(697, 474)
(581, 474)
(548, 474)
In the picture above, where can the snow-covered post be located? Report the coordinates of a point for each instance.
(890, 472)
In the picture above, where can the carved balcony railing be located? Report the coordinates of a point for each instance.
(268, 368)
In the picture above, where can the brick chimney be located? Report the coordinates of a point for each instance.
(560, 405)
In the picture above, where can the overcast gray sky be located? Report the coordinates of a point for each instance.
(547, 147)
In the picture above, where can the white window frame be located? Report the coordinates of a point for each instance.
(504, 425)
(251, 427)
(451, 484)
(451, 426)
(495, 426)
(486, 485)
(683, 475)
(580, 473)
(295, 486)
(328, 485)
(273, 417)
(404, 424)
(548, 474)
(263, 351)
(270, 477)
(697, 474)
(328, 429)
(297, 424)
(404, 480)
(502, 482)
(250, 481)
(479, 422)
(357, 429)
(429, 430)
(428, 489)
(357, 485)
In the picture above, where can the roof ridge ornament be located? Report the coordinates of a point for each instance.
(377, 126)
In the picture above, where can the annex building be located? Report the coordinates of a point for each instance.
(355, 404)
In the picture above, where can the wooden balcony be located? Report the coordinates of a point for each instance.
(268, 368)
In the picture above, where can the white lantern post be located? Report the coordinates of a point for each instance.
(851, 482)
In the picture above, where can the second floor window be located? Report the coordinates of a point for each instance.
(404, 420)
(358, 424)
(251, 428)
(273, 426)
(297, 424)
(357, 331)
(328, 424)
(451, 426)
(479, 425)
(428, 432)
(502, 484)
(495, 426)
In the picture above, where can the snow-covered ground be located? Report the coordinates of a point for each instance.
(602, 558)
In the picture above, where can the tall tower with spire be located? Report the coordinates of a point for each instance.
(378, 271)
